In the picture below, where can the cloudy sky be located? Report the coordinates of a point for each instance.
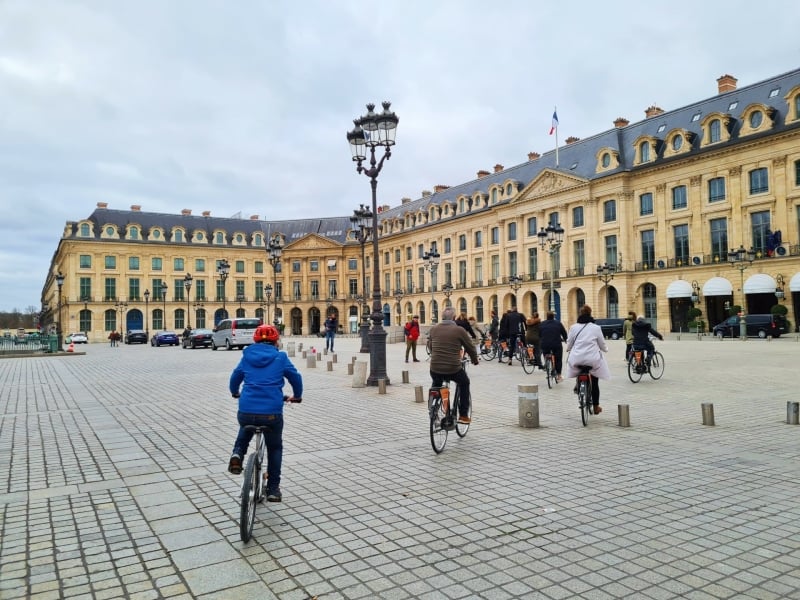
(243, 106)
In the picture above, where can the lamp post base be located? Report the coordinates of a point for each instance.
(364, 331)
(377, 357)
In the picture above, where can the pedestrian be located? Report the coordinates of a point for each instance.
(112, 337)
(186, 332)
(552, 334)
(411, 333)
(463, 322)
(331, 324)
(532, 337)
(627, 333)
(586, 344)
(494, 326)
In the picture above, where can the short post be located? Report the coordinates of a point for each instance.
(405, 376)
(319, 356)
(330, 365)
(528, 405)
(418, 394)
(299, 346)
(304, 354)
(624, 414)
(360, 374)
(311, 361)
(708, 413)
(354, 359)
(349, 368)
(381, 386)
(325, 351)
(793, 413)
(290, 349)
(333, 357)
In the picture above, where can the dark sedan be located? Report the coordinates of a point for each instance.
(165, 338)
(197, 338)
(136, 336)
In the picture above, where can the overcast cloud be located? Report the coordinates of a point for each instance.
(243, 106)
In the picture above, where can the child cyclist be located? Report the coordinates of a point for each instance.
(263, 369)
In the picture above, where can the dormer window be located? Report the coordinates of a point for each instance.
(605, 160)
(661, 128)
(134, 233)
(84, 230)
(756, 118)
(677, 142)
(733, 105)
(714, 129)
(774, 92)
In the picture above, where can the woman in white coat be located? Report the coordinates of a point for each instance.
(586, 344)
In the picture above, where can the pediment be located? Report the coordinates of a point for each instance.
(551, 182)
(313, 241)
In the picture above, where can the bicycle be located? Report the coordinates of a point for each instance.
(253, 491)
(637, 365)
(525, 355)
(488, 348)
(443, 413)
(583, 387)
(550, 369)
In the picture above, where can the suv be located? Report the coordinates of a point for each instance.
(234, 333)
(612, 328)
(757, 326)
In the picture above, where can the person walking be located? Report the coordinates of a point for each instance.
(586, 344)
(494, 326)
(627, 333)
(411, 333)
(552, 334)
(331, 324)
(112, 337)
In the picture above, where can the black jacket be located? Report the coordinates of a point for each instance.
(552, 333)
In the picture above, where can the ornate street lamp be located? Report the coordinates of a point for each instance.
(121, 306)
(275, 249)
(223, 269)
(198, 306)
(240, 298)
(779, 294)
(695, 297)
(398, 298)
(266, 299)
(447, 290)
(187, 283)
(551, 238)
(374, 130)
(431, 258)
(164, 290)
(741, 259)
(59, 333)
(605, 273)
(362, 219)
(146, 314)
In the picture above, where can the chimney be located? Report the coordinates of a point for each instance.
(498, 168)
(186, 212)
(482, 173)
(439, 188)
(206, 213)
(621, 122)
(136, 207)
(405, 200)
(571, 139)
(385, 208)
(533, 155)
(426, 193)
(653, 111)
(102, 205)
(726, 83)
(254, 217)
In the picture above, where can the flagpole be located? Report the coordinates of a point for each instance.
(556, 132)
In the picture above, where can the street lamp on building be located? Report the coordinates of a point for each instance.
(447, 290)
(198, 306)
(223, 269)
(146, 314)
(779, 294)
(59, 332)
(266, 299)
(275, 249)
(121, 306)
(362, 227)
(551, 238)
(605, 273)
(187, 283)
(398, 298)
(164, 290)
(741, 259)
(373, 131)
(695, 297)
(431, 258)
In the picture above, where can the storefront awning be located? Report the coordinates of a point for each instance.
(717, 286)
(760, 283)
(794, 283)
(679, 289)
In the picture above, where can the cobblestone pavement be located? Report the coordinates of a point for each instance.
(114, 482)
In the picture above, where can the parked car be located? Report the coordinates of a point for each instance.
(234, 333)
(22, 336)
(165, 338)
(757, 326)
(197, 338)
(612, 328)
(136, 336)
(79, 338)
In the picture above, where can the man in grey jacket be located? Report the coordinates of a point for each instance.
(447, 341)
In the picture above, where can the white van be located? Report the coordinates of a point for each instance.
(234, 333)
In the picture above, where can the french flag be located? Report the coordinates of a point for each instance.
(554, 124)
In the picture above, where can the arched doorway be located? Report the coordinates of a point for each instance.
(296, 316)
(387, 315)
(314, 320)
(134, 319)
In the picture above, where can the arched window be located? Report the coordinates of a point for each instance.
(479, 309)
(644, 149)
(714, 131)
(84, 230)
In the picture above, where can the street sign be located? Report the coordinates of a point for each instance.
(546, 285)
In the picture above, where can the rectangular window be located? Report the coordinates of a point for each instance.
(447, 246)
(177, 264)
(716, 189)
(314, 289)
(86, 288)
(512, 232)
(111, 262)
(220, 290)
(532, 229)
(759, 181)
(313, 265)
(579, 255)
(495, 267)
(352, 264)
(133, 263)
(421, 278)
(408, 252)
(409, 281)
(512, 263)
(420, 251)
(178, 290)
(352, 287)
(478, 271)
(295, 266)
(200, 265)
(110, 290)
(462, 241)
(479, 238)
(577, 216)
(533, 261)
(396, 256)
(679, 199)
(719, 239)
(85, 261)
(134, 290)
(386, 258)
(680, 234)
(495, 235)
(333, 291)
(646, 204)
(609, 211)
(611, 249)
(759, 225)
(462, 273)
(797, 166)
(296, 290)
(239, 266)
(156, 264)
(199, 289)
(259, 266)
(648, 249)
(277, 293)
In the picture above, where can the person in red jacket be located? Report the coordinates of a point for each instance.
(411, 331)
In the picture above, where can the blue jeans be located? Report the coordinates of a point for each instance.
(273, 437)
(329, 335)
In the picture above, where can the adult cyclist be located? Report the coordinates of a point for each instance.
(262, 370)
(447, 342)
(642, 330)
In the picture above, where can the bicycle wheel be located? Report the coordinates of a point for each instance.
(249, 497)
(634, 373)
(461, 428)
(657, 365)
(548, 371)
(488, 353)
(428, 346)
(584, 401)
(438, 435)
(526, 361)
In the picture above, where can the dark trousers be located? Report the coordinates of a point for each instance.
(273, 437)
(462, 381)
(558, 353)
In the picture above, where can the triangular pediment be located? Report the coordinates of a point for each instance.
(550, 182)
(313, 241)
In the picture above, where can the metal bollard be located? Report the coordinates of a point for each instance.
(624, 414)
(311, 361)
(405, 376)
(793, 413)
(360, 374)
(330, 365)
(349, 368)
(708, 413)
(528, 405)
(418, 394)
(381, 386)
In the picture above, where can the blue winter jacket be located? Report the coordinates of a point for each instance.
(262, 369)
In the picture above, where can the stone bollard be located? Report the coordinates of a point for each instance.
(330, 365)
(793, 413)
(333, 357)
(319, 356)
(381, 386)
(708, 413)
(304, 354)
(311, 361)
(359, 374)
(405, 376)
(528, 399)
(354, 359)
(418, 394)
(624, 413)
(300, 346)
(325, 351)
(349, 368)
(290, 349)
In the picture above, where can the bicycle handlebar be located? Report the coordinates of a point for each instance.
(290, 399)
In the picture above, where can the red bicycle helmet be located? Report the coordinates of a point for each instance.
(266, 333)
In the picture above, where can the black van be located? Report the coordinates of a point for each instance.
(757, 326)
(612, 328)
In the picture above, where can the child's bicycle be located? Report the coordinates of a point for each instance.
(443, 413)
(254, 484)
